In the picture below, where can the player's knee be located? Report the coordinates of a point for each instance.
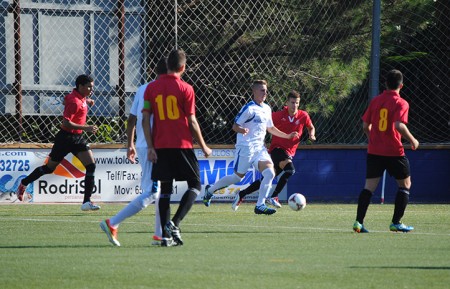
(46, 170)
(195, 186)
(166, 189)
(403, 191)
(237, 178)
(90, 169)
(289, 170)
(268, 174)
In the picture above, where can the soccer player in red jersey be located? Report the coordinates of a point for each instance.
(282, 150)
(171, 101)
(70, 140)
(384, 122)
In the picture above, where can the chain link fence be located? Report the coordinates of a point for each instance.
(320, 48)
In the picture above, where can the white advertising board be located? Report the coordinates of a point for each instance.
(116, 178)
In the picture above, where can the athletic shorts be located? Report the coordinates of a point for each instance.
(146, 166)
(176, 164)
(245, 158)
(398, 167)
(278, 155)
(65, 143)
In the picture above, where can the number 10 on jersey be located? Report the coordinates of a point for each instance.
(167, 107)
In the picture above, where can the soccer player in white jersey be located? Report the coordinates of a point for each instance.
(251, 125)
(150, 189)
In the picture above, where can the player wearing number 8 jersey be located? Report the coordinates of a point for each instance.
(171, 101)
(384, 122)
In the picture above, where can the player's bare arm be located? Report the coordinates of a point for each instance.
(276, 132)
(131, 129)
(366, 128)
(239, 129)
(197, 134)
(151, 154)
(90, 102)
(311, 132)
(404, 131)
(71, 125)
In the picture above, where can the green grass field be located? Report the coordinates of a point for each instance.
(58, 246)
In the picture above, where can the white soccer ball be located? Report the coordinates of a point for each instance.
(297, 202)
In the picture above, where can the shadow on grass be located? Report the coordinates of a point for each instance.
(403, 267)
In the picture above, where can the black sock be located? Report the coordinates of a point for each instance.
(36, 174)
(88, 188)
(401, 201)
(282, 181)
(363, 203)
(186, 203)
(164, 212)
(250, 189)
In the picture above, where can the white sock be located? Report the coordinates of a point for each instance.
(134, 207)
(266, 185)
(158, 228)
(225, 182)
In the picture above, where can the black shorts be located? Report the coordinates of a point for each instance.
(278, 155)
(176, 164)
(65, 143)
(398, 167)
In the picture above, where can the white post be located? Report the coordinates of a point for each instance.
(382, 187)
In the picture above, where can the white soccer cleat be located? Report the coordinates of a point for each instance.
(89, 206)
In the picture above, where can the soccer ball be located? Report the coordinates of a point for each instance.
(297, 202)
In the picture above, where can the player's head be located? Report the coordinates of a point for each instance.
(176, 62)
(259, 89)
(293, 101)
(161, 66)
(394, 79)
(84, 84)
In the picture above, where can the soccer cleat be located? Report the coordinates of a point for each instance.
(400, 228)
(174, 231)
(89, 206)
(264, 210)
(236, 202)
(359, 228)
(274, 202)
(156, 240)
(20, 191)
(207, 196)
(168, 242)
(111, 233)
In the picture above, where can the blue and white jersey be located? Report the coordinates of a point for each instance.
(257, 118)
(136, 109)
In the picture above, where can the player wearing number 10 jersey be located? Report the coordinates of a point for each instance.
(171, 101)
(384, 122)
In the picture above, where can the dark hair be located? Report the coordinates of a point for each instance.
(394, 79)
(161, 66)
(259, 82)
(83, 79)
(176, 59)
(293, 94)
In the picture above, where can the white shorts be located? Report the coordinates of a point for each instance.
(245, 158)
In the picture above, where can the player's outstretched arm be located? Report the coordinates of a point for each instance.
(276, 132)
(404, 131)
(71, 125)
